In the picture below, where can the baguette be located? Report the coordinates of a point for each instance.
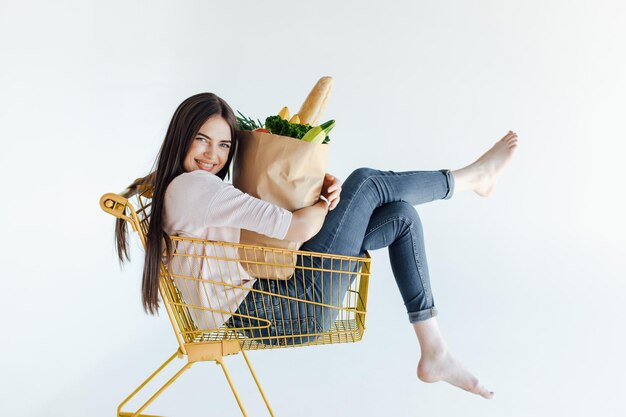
(315, 103)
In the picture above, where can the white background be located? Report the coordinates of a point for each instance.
(530, 282)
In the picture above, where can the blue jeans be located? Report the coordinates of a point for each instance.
(375, 211)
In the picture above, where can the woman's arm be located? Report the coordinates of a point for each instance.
(306, 222)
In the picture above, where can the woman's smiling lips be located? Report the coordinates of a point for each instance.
(205, 165)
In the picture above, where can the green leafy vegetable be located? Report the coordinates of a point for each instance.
(277, 126)
(280, 126)
(246, 123)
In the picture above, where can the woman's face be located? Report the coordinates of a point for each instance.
(210, 148)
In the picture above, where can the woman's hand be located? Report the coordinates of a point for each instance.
(331, 189)
(307, 222)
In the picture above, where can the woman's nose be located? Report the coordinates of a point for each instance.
(209, 152)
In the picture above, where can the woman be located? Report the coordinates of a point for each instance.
(373, 209)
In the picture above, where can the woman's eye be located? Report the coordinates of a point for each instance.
(201, 139)
(226, 145)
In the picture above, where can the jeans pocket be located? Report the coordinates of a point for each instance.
(268, 305)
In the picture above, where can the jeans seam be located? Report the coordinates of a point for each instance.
(415, 255)
(378, 227)
(419, 267)
(347, 210)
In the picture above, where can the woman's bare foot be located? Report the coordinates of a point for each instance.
(481, 176)
(437, 364)
(445, 367)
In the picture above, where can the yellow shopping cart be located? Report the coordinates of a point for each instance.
(201, 292)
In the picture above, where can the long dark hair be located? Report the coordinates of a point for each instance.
(184, 126)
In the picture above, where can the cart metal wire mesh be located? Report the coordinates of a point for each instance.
(321, 303)
(204, 283)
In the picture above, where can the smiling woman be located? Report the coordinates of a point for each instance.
(202, 117)
(211, 147)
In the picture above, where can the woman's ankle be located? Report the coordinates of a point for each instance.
(464, 179)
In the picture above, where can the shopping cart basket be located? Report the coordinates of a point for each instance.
(201, 287)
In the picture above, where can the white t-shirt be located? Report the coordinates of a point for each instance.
(200, 205)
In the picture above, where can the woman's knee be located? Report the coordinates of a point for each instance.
(405, 213)
(404, 210)
(361, 174)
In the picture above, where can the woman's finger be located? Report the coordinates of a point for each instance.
(334, 193)
(335, 186)
(333, 199)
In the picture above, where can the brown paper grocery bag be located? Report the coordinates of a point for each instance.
(284, 171)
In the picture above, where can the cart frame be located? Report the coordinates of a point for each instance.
(197, 344)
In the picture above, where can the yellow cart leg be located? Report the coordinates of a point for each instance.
(256, 380)
(121, 413)
(232, 387)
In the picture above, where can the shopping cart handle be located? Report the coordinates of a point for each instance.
(115, 205)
